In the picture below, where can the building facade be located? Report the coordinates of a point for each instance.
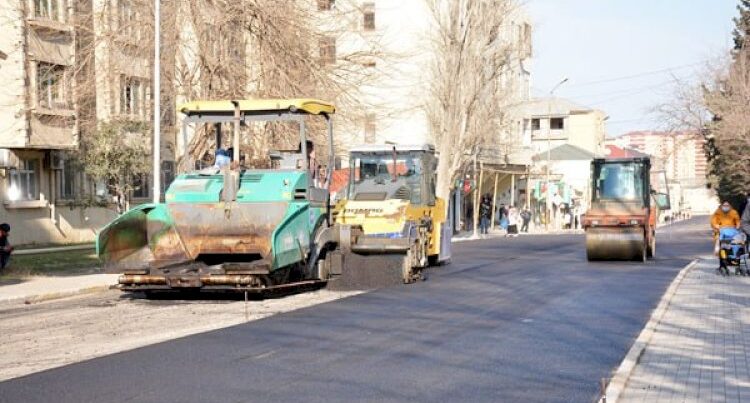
(552, 122)
(69, 67)
(682, 157)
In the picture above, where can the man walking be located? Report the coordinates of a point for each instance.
(485, 212)
(525, 220)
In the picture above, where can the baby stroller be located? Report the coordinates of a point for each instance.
(732, 251)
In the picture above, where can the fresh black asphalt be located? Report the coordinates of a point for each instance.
(525, 319)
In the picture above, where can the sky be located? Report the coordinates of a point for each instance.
(621, 56)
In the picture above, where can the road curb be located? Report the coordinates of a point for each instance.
(34, 299)
(621, 376)
(54, 249)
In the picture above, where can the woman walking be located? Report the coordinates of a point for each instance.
(513, 219)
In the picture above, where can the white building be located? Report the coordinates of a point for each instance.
(398, 32)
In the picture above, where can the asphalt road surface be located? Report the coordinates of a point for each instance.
(525, 319)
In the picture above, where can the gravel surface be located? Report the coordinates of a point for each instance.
(52, 334)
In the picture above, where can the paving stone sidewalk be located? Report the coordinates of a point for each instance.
(699, 352)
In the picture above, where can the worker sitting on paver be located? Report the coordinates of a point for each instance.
(5, 246)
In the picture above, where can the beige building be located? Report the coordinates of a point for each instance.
(552, 122)
(68, 67)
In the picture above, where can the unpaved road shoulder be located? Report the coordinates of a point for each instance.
(51, 334)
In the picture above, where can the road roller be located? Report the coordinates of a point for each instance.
(626, 197)
(390, 225)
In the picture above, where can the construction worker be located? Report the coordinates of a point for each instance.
(724, 216)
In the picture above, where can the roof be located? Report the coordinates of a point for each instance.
(311, 106)
(613, 151)
(375, 148)
(566, 152)
(553, 107)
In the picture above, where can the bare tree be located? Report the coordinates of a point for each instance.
(467, 106)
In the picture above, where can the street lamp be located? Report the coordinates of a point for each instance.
(156, 188)
(549, 149)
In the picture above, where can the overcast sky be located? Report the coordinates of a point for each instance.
(600, 44)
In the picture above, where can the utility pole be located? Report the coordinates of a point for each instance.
(548, 196)
(156, 189)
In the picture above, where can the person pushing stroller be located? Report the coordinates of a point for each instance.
(729, 241)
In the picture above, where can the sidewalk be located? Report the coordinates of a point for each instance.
(699, 349)
(36, 289)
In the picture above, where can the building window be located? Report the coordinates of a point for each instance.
(535, 124)
(49, 9)
(67, 180)
(51, 86)
(368, 16)
(133, 96)
(128, 20)
(370, 128)
(326, 5)
(24, 181)
(557, 123)
(327, 50)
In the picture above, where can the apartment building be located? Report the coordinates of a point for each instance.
(391, 39)
(71, 66)
(682, 157)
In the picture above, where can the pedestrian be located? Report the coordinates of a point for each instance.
(745, 220)
(725, 216)
(525, 219)
(485, 214)
(502, 217)
(5, 247)
(513, 218)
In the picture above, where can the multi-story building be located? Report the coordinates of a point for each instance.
(396, 37)
(552, 122)
(682, 157)
(39, 121)
(68, 68)
(391, 38)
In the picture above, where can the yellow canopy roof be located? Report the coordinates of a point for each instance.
(311, 106)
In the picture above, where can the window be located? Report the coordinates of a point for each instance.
(327, 50)
(128, 20)
(535, 124)
(133, 96)
(51, 86)
(49, 9)
(67, 180)
(368, 16)
(24, 181)
(325, 5)
(370, 128)
(557, 123)
(140, 187)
